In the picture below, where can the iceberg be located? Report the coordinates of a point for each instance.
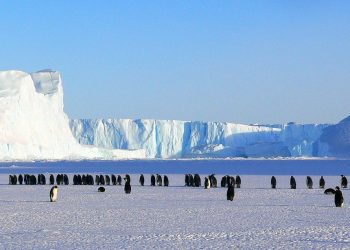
(195, 139)
(33, 125)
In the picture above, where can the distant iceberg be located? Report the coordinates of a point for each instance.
(186, 139)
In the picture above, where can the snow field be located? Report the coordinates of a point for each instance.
(175, 217)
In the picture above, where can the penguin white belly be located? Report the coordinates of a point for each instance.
(54, 194)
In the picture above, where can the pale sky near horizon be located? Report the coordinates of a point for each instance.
(234, 61)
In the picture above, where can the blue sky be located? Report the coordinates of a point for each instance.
(237, 61)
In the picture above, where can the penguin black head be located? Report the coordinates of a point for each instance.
(337, 188)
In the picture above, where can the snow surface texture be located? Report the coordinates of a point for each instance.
(184, 139)
(33, 124)
(175, 217)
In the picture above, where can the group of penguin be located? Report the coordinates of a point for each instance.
(105, 180)
(156, 180)
(338, 195)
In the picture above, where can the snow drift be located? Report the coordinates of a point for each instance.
(33, 124)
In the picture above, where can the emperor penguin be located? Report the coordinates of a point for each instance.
(238, 181)
(322, 182)
(309, 182)
(142, 180)
(338, 198)
(53, 194)
(230, 192)
(344, 182)
(206, 183)
(273, 182)
(293, 184)
(166, 181)
(127, 187)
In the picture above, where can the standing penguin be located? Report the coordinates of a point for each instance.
(309, 182)
(127, 187)
(344, 182)
(53, 194)
(114, 180)
(153, 180)
(20, 179)
(197, 180)
(206, 183)
(273, 182)
(238, 181)
(230, 192)
(223, 181)
(338, 198)
(142, 180)
(166, 181)
(52, 179)
(322, 182)
(293, 184)
(119, 180)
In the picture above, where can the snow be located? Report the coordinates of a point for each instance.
(33, 124)
(175, 217)
(191, 139)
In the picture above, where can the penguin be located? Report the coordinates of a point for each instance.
(97, 179)
(230, 192)
(10, 179)
(101, 189)
(159, 180)
(119, 180)
(223, 181)
(52, 179)
(108, 180)
(83, 179)
(102, 180)
(90, 180)
(166, 181)
(322, 182)
(65, 179)
(20, 179)
(153, 180)
(75, 178)
(273, 182)
(206, 183)
(39, 179)
(142, 180)
(213, 181)
(344, 182)
(329, 191)
(79, 179)
(128, 178)
(114, 180)
(238, 181)
(309, 182)
(32, 180)
(191, 181)
(43, 179)
(58, 179)
(127, 187)
(232, 181)
(187, 180)
(338, 198)
(197, 180)
(293, 184)
(53, 193)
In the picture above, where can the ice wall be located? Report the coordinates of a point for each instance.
(33, 124)
(185, 139)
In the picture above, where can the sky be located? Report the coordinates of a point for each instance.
(234, 61)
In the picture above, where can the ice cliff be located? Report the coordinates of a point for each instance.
(186, 139)
(33, 124)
